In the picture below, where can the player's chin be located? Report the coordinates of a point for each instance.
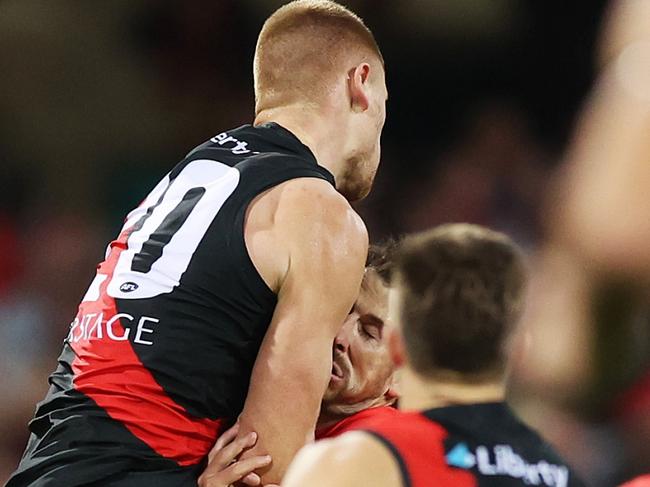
(359, 191)
(334, 388)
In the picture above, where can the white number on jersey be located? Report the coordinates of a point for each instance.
(168, 227)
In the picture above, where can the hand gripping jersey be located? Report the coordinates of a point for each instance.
(160, 353)
(478, 445)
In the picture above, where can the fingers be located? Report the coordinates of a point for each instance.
(241, 470)
(251, 479)
(223, 467)
(231, 451)
(225, 438)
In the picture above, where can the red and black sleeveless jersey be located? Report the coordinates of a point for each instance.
(478, 445)
(357, 421)
(160, 353)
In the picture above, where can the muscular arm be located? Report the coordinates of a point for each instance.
(326, 245)
(350, 460)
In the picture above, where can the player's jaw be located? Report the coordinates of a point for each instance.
(362, 159)
(357, 181)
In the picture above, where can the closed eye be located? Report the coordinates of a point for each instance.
(370, 328)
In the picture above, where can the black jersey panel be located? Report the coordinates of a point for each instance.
(73, 442)
(160, 353)
(220, 311)
(491, 442)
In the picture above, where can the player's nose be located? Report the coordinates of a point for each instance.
(342, 342)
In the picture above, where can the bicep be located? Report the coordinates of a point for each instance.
(327, 246)
(326, 257)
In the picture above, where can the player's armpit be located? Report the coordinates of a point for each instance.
(351, 460)
(327, 245)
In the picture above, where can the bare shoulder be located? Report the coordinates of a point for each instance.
(355, 458)
(318, 201)
(315, 221)
(303, 216)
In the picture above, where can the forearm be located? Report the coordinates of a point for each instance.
(283, 404)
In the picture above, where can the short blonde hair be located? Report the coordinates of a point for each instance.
(302, 47)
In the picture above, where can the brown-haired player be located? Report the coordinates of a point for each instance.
(457, 297)
(226, 287)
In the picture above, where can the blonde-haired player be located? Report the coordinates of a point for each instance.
(227, 286)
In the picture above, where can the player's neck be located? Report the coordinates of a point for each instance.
(419, 393)
(314, 128)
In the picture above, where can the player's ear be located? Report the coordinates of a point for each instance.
(359, 87)
(396, 347)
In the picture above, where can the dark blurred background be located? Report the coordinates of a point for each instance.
(99, 99)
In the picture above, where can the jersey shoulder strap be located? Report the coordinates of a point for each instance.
(416, 443)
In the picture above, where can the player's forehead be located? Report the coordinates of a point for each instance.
(394, 304)
(373, 296)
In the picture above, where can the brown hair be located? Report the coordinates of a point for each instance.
(462, 290)
(380, 259)
(301, 48)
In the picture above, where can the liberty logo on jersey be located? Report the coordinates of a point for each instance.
(502, 460)
(240, 147)
(460, 456)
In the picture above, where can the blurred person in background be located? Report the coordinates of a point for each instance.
(457, 297)
(33, 299)
(591, 316)
(248, 249)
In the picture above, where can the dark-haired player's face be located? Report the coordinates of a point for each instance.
(362, 369)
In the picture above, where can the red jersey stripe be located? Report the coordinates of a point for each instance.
(111, 374)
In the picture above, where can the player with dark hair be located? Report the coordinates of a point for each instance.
(226, 287)
(457, 297)
(362, 385)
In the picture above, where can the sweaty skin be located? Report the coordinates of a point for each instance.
(362, 379)
(305, 240)
(362, 376)
(310, 247)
